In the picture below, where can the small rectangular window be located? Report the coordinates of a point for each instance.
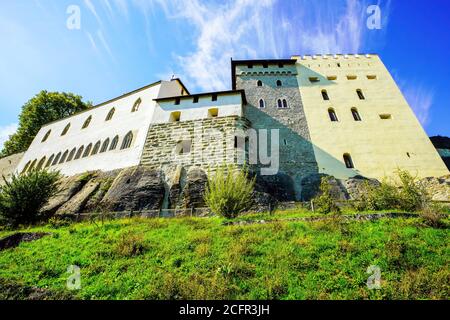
(332, 78)
(313, 79)
(372, 77)
(195, 99)
(175, 116)
(177, 101)
(265, 65)
(213, 113)
(214, 97)
(385, 116)
(351, 77)
(250, 66)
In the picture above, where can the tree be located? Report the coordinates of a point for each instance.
(23, 196)
(43, 108)
(229, 191)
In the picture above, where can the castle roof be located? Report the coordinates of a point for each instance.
(191, 96)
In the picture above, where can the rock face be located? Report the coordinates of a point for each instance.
(356, 186)
(194, 189)
(69, 186)
(78, 201)
(311, 187)
(438, 188)
(137, 188)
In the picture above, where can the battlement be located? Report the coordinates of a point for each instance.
(334, 56)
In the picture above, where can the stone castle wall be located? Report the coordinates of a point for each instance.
(296, 158)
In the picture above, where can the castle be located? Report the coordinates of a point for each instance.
(340, 115)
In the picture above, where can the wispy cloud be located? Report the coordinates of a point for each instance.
(420, 98)
(5, 132)
(92, 9)
(267, 28)
(105, 44)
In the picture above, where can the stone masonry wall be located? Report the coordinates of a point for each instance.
(297, 160)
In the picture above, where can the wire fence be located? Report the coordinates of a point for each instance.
(205, 212)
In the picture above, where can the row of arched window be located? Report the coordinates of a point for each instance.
(81, 152)
(281, 104)
(87, 122)
(334, 117)
(359, 92)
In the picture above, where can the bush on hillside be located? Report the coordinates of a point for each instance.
(407, 194)
(326, 201)
(229, 191)
(22, 198)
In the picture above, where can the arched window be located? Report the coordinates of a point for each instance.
(259, 83)
(136, 105)
(325, 95)
(126, 143)
(279, 84)
(46, 136)
(348, 161)
(87, 122)
(114, 143)
(64, 156)
(79, 153)
(96, 147)
(58, 156)
(262, 103)
(65, 129)
(26, 167)
(50, 160)
(71, 154)
(356, 115)
(105, 146)
(285, 105)
(40, 164)
(87, 151)
(332, 114)
(110, 114)
(32, 165)
(279, 104)
(360, 94)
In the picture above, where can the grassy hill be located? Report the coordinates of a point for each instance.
(201, 258)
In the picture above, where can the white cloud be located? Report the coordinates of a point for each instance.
(266, 28)
(420, 99)
(92, 9)
(5, 132)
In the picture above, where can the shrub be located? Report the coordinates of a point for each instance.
(326, 201)
(229, 191)
(22, 198)
(406, 194)
(130, 245)
(432, 217)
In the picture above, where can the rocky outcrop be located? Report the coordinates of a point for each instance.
(69, 186)
(437, 188)
(78, 201)
(194, 189)
(356, 186)
(311, 187)
(137, 188)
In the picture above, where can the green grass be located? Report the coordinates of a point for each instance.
(200, 258)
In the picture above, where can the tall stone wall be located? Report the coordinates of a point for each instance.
(296, 155)
(209, 143)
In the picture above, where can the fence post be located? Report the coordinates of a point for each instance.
(312, 205)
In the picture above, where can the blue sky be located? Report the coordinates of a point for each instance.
(124, 44)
